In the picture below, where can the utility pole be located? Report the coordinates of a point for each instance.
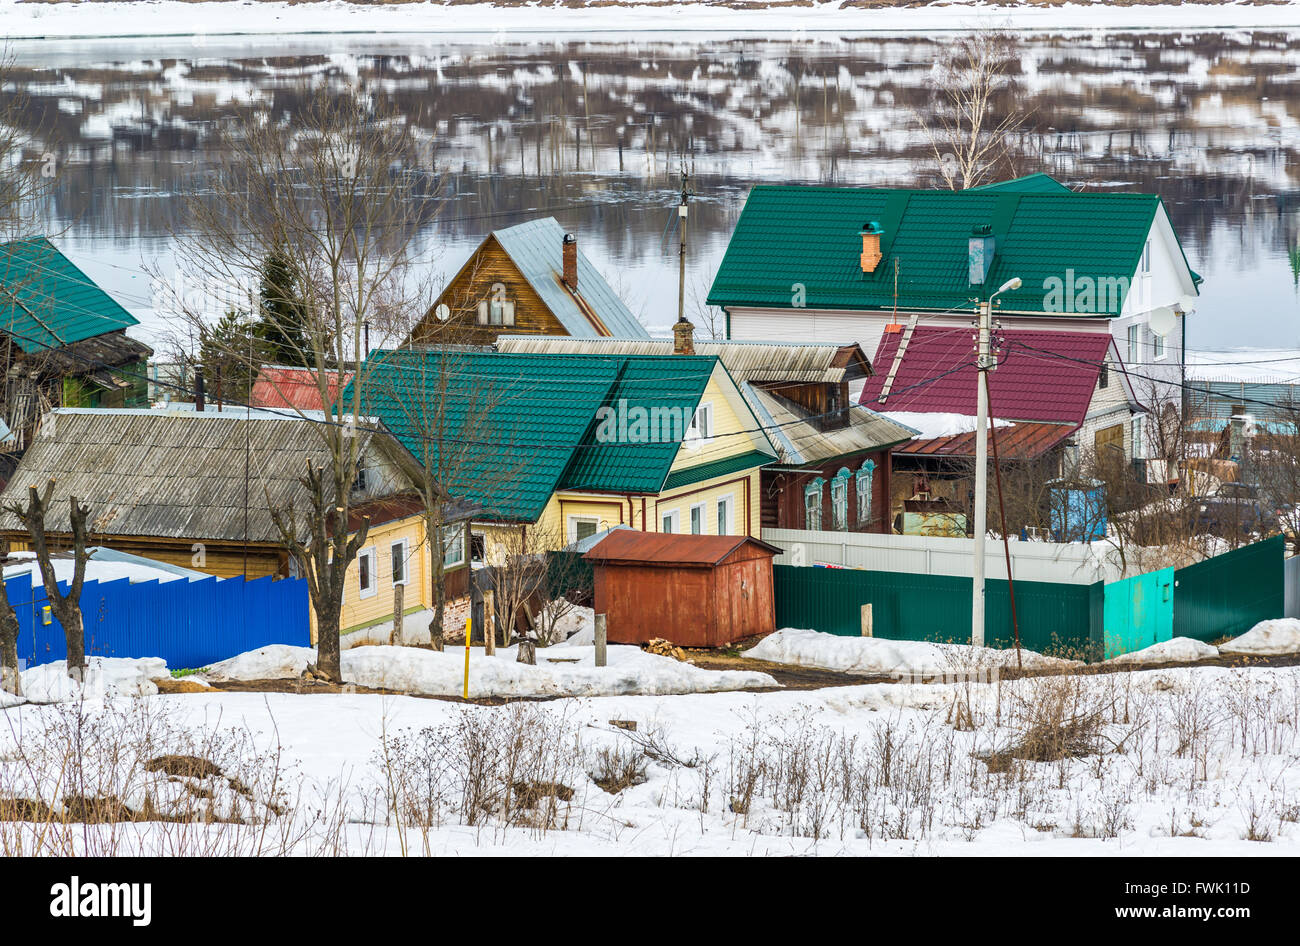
(982, 365)
(681, 264)
(981, 468)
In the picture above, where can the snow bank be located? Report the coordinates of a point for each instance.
(415, 630)
(874, 655)
(1267, 638)
(103, 677)
(578, 627)
(411, 670)
(1174, 650)
(25, 562)
(932, 425)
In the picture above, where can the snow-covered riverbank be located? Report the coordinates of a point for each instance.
(22, 20)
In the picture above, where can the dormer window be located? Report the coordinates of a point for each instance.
(701, 428)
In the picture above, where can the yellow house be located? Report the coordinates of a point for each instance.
(578, 443)
(396, 555)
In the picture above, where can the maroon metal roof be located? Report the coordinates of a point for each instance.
(1017, 442)
(1042, 376)
(278, 386)
(657, 548)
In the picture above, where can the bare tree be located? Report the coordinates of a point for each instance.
(443, 414)
(66, 606)
(336, 196)
(518, 561)
(974, 114)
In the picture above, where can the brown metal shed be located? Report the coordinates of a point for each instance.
(692, 590)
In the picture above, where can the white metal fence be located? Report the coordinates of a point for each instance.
(1291, 587)
(1070, 563)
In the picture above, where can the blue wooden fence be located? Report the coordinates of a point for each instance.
(187, 623)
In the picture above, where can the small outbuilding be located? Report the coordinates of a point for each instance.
(691, 590)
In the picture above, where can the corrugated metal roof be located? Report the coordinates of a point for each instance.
(1029, 384)
(792, 362)
(537, 249)
(1017, 442)
(659, 548)
(281, 386)
(801, 441)
(715, 468)
(47, 302)
(811, 236)
(169, 474)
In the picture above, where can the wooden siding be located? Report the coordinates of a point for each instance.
(487, 266)
(222, 560)
(782, 495)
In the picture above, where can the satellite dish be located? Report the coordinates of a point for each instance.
(443, 312)
(1163, 320)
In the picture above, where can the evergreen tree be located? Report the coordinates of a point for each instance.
(282, 320)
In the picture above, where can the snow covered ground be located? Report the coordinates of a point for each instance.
(561, 670)
(1185, 762)
(235, 17)
(874, 655)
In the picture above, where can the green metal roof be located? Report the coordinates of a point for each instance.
(667, 388)
(790, 236)
(47, 302)
(509, 430)
(1029, 184)
(719, 467)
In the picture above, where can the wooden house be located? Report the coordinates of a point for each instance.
(691, 590)
(530, 278)
(63, 340)
(833, 462)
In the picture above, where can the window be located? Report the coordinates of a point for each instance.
(359, 484)
(1139, 444)
(1157, 346)
(366, 573)
(812, 504)
(697, 519)
(1103, 376)
(866, 473)
(724, 515)
(1135, 344)
(671, 522)
(1146, 258)
(453, 545)
(582, 527)
(477, 547)
(701, 428)
(496, 311)
(397, 552)
(840, 501)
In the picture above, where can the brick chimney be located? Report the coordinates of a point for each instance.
(571, 262)
(683, 337)
(871, 233)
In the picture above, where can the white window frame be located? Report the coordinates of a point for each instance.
(405, 546)
(571, 525)
(1135, 344)
(697, 508)
(726, 514)
(672, 519)
(1158, 350)
(693, 432)
(458, 529)
(1146, 258)
(1138, 433)
(369, 553)
(817, 487)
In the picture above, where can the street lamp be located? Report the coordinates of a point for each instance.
(983, 363)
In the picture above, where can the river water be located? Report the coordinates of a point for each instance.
(592, 132)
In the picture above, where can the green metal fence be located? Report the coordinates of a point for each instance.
(1230, 593)
(1222, 596)
(1053, 618)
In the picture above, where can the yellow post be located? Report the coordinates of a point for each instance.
(467, 626)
